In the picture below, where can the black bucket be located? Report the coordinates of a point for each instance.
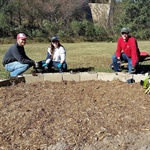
(131, 80)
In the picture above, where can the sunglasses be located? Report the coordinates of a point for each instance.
(124, 33)
(54, 41)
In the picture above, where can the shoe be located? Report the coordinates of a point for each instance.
(111, 66)
(13, 80)
(33, 72)
(16, 79)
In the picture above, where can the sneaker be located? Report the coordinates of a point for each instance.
(111, 66)
(33, 72)
(13, 80)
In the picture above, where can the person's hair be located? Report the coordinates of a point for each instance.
(52, 48)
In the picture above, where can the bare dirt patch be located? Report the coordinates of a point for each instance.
(90, 115)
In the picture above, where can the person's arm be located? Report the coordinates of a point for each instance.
(62, 55)
(48, 57)
(118, 50)
(134, 52)
(20, 56)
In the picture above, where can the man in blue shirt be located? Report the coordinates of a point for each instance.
(15, 59)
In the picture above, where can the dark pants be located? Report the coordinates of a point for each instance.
(53, 65)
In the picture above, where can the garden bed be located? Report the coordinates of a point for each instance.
(88, 115)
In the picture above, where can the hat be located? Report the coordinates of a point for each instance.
(21, 36)
(125, 30)
(54, 38)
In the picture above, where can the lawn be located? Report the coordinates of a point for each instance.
(95, 55)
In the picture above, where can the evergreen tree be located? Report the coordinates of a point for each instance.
(135, 15)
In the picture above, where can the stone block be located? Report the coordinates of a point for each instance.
(54, 77)
(85, 76)
(138, 77)
(123, 76)
(32, 79)
(107, 76)
(71, 76)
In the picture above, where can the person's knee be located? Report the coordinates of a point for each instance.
(114, 57)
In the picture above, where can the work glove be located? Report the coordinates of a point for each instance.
(48, 61)
(59, 65)
(133, 70)
(119, 61)
(45, 66)
(36, 65)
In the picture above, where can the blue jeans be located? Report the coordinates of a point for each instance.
(123, 57)
(16, 68)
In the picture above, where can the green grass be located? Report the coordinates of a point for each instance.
(95, 55)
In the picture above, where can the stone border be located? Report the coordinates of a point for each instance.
(82, 76)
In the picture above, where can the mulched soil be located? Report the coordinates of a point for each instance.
(89, 115)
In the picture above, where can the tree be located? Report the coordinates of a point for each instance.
(135, 15)
(28, 15)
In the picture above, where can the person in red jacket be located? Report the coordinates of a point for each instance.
(127, 50)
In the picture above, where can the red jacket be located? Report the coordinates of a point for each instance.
(130, 48)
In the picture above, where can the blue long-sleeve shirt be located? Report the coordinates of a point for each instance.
(16, 53)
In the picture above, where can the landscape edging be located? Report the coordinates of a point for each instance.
(81, 76)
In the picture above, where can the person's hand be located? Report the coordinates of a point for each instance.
(118, 61)
(44, 65)
(133, 70)
(48, 61)
(36, 65)
(59, 65)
